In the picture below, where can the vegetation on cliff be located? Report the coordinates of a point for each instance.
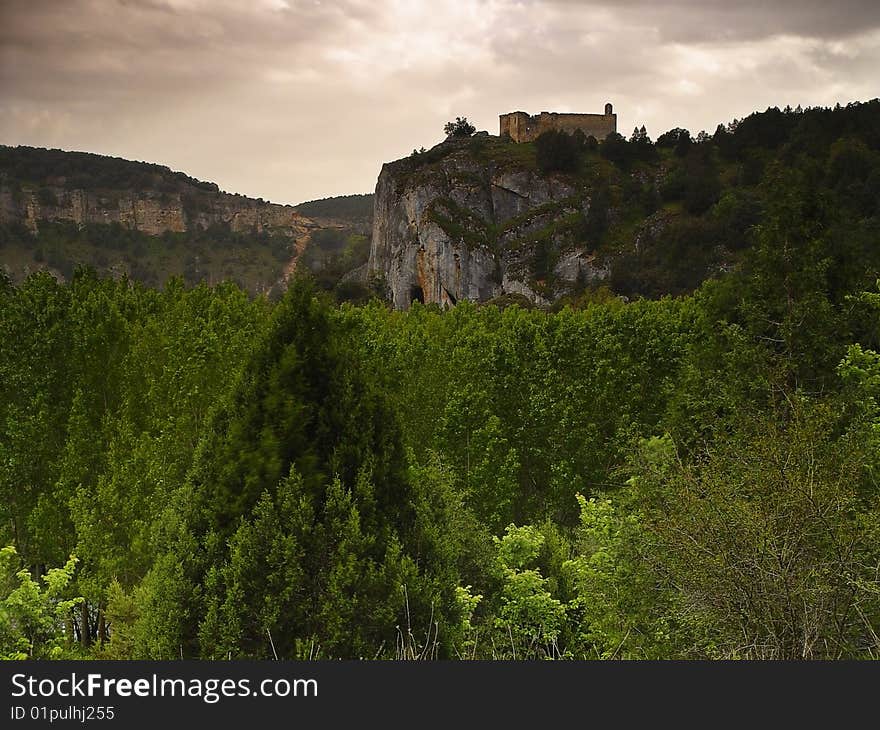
(659, 217)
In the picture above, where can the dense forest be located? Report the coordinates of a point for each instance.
(192, 471)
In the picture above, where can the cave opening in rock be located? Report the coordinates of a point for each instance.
(416, 294)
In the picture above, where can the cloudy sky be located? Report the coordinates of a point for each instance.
(297, 99)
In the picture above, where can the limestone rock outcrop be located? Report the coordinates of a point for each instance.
(148, 211)
(452, 224)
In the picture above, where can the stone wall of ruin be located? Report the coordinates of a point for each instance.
(522, 127)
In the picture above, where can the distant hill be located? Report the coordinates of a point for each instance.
(60, 209)
(43, 167)
(356, 210)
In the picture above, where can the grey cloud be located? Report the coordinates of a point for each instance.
(694, 21)
(149, 40)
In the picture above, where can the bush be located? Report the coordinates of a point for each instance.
(677, 139)
(616, 149)
(459, 128)
(31, 611)
(557, 151)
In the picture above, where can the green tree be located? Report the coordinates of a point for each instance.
(616, 611)
(459, 128)
(767, 542)
(557, 151)
(35, 615)
(530, 616)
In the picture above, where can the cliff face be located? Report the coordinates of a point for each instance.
(452, 224)
(149, 211)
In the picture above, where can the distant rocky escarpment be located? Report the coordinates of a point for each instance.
(38, 185)
(60, 209)
(150, 211)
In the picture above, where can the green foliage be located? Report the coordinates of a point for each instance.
(690, 477)
(557, 151)
(459, 128)
(46, 196)
(531, 616)
(677, 139)
(617, 610)
(86, 170)
(254, 259)
(766, 542)
(655, 268)
(354, 209)
(330, 256)
(34, 613)
(233, 474)
(299, 499)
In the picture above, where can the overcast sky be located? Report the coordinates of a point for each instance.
(291, 100)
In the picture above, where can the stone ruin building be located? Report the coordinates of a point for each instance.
(524, 128)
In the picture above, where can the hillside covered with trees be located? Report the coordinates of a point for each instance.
(488, 217)
(356, 210)
(190, 471)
